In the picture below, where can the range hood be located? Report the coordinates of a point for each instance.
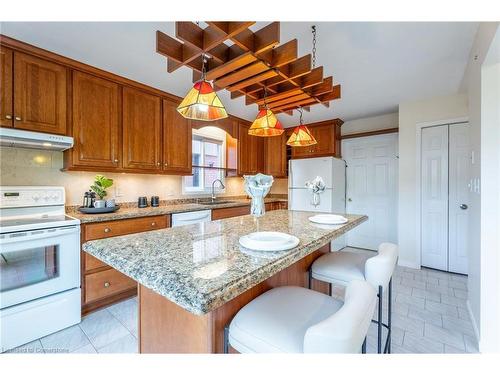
(27, 139)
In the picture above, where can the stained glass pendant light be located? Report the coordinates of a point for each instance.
(301, 135)
(201, 102)
(266, 124)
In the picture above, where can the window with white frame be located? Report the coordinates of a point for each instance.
(208, 153)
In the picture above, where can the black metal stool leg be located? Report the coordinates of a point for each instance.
(310, 279)
(330, 289)
(363, 347)
(226, 339)
(389, 318)
(379, 320)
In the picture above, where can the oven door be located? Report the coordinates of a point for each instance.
(38, 263)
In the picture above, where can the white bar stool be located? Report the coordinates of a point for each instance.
(292, 319)
(341, 267)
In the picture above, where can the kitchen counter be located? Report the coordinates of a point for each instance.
(201, 267)
(127, 212)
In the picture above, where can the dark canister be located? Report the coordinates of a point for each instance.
(155, 201)
(142, 202)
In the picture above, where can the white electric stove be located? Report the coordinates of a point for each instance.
(39, 264)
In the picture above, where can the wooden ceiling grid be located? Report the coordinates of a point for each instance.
(246, 62)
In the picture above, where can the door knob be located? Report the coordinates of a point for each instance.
(349, 199)
(464, 206)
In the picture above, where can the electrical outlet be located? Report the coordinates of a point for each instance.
(118, 192)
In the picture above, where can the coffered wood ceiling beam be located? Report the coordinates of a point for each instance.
(281, 55)
(254, 64)
(324, 87)
(292, 99)
(241, 74)
(323, 99)
(312, 78)
(231, 28)
(251, 81)
(231, 66)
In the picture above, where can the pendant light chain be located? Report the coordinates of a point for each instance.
(301, 122)
(313, 28)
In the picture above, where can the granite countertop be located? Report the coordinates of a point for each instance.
(128, 212)
(201, 266)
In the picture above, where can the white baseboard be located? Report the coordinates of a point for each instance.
(474, 324)
(404, 263)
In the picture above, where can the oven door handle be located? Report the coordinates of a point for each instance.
(37, 234)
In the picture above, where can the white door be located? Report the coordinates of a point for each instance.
(459, 169)
(372, 188)
(434, 235)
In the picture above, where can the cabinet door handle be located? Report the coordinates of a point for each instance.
(158, 164)
(18, 118)
(166, 164)
(8, 117)
(153, 224)
(116, 160)
(107, 230)
(107, 284)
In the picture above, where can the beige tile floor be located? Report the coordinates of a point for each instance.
(429, 316)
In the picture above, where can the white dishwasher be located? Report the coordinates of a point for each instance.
(186, 218)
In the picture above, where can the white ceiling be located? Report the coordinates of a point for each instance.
(378, 64)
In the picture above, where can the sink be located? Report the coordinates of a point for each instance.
(210, 203)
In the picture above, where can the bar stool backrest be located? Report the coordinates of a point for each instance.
(344, 331)
(379, 269)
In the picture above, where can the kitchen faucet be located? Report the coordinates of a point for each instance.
(213, 188)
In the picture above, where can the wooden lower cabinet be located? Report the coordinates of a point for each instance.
(101, 284)
(224, 213)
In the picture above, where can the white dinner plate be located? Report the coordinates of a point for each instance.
(269, 241)
(328, 219)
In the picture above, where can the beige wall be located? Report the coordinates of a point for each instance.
(38, 167)
(411, 114)
(367, 124)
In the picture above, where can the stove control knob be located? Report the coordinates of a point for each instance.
(36, 197)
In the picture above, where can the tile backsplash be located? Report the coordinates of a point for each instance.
(39, 167)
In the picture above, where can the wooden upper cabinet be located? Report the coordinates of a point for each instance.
(177, 140)
(275, 155)
(96, 122)
(141, 130)
(6, 103)
(250, 151)
(326, 135)
(40, 94)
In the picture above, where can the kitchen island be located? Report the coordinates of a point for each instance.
(193, 279)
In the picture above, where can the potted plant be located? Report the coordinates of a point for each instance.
(99, 187)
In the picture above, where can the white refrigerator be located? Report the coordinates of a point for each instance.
(332, 200)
